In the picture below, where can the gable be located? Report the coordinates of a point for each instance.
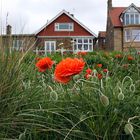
(131, 15)
(78, 28)
(116, 14)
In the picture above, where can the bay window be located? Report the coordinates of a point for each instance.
(132, 35)
(83, 44)
(132, 18)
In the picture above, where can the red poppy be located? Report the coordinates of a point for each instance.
(88, 71)
(44, 64)
(99, 75)
(68, 68)
(129, 57)
(105, 70)
(99, 65)
(118, 56)
(87, 76)
(82, 53)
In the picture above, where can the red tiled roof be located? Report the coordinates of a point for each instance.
(114, 15)
(102, 34)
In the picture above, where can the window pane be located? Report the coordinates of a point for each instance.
(127, 35)
(48, 46)
(86, 47)
(79, 40)
(90, 47)
(136, 35)
(63, 26)
(90, 41)
(79, 46)
(127, 19)
(132, 18)
(85, 40)
(136, 18)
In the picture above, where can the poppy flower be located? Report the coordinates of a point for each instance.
(99, 75)
(68, 68)
(105, 70)
(82, 53)
(99, 65)
(118, 56)
(88, 71)
(44, 64)
(87, 76)
(129, 57)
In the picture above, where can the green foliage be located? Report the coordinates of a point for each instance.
(35, 107)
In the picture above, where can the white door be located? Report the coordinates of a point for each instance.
(50, 46)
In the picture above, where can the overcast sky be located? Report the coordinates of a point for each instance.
(27, 16)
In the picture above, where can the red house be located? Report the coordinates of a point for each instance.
(65, 32)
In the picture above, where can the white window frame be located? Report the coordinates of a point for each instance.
(82, 43)
(50, 47)
(134, 15)
(17, 44)
(70, 25)
(133, 37)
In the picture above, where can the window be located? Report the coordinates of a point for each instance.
(132, 35)
(17, 44)
(127, 19)
(127, 35)
(64, 26)
(132, 18)
(137, 19)
(50, 46)
(83, 44)
(136, 35)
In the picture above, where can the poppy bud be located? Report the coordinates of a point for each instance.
(128, 128)
(120, 96)
(53, 96)
(95, 71)
(104, 100)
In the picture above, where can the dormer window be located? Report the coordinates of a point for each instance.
(64, 26)
(131, 16)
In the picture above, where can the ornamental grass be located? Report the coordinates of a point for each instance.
(38, 105)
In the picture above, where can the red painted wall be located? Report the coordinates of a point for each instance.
(78, 30)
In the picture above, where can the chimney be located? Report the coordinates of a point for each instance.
(8, 30)
(72, 15)
(109, 4)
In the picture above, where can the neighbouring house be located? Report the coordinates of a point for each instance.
(65, 32)
(102, 40)
(19, 42)
(123, 27)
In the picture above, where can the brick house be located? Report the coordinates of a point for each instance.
(123, 27)
(19, 42)
(65, 32)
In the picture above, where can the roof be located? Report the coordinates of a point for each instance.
(114, 15)
(116, 12)
(18, 35)
(69, 15)
(102, 33)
